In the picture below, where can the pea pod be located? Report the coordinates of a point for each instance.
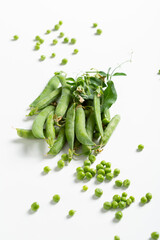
(81, 132)
(50, 130)
(62, 79)
(25, 133)
(90, 129)
(106, 116)
(63, 102)
(37, 127)
(51, 85)
(110, 129)
(59, 143)
(97, 110)
(70, 126)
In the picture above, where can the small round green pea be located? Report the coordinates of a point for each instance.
(100, 178)
(93, 172)
(41, 41)
(88, 175)
(122, 204)
(118, 183)
(37, 38)
(60, 163)
(148, 196)
(73, 41)
(71, 212)
(46, 169)
(114, 204)
(55, 41)
(56, 198)
(48, 31)
(104, 121)
(123, 199)
(35, 206)
(118, 215)
(85, 188)
(64, 61)
(99, 32)
(116, 172)
(78, 169)
(61, 34)
(101, 171)
(140, 147)
(86, 169)
(109, 176)
(108, 170)
(53, 55)
(103, 162)
(60, 22)
(143, 200)
(92, 158)
(56, 27)
(66, 40)
(64, 156)
(124, 194)
(98, 192)
(107, 205)
(75, 51)
(117, 198)
(99, 166)
(15, 37)
(116, 238)
(128, 202)
(108, 165)
(126, 183)
(37, 47)
(132, 198)
(155, 235)
(42, 58)
(80, 175)
(95, 25)
(87, 163)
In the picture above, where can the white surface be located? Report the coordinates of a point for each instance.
(127, 25)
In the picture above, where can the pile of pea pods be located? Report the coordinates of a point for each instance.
(74, 111)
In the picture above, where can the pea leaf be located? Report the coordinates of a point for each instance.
(110, 95)
(71, 83)
(97, 82)
(119, 74)
(70, 79)
(103, 74)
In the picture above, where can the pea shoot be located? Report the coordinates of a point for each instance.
(116, 172)
(118, 183)
(15, 37)
(101, 171)
(99, 32)
(35, 206)
(61, 34)
(128, 202)
(42, 58)
(107, 205)
(85, 188)
(73, 41)
(46, 169)
(155, 235)
(98, 192)
(65, 40)
(56, 27)
(64, 61)
(56, 198)
(60, 164)
(95, 25)
(55, 41)
(48, 31)
(140, 147)
(126, 183)
(118, 215)
(75, 51)
(53, 55)
(71, 212)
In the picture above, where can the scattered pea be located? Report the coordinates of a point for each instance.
(107, 205)
(98, 192)
(53, 55)
(41, 41)
(85, 188)
(55, 41)
(122, 204)
(143, 200)
(37, 47)
(42, 58)
(108, 165)
(124, 194)
(48, 31)
(73, 41)
(126, 183)
(56, 198)
(123, 199)
(99, 32)
(80, 175)
(35, 206)
(103, 162)
(118, 183)
(92, 158)
(128, 202)
(114, 204)
(155, 235)
(60, 163)
(60, 22)
(93, 172)
(61, 34)
(132, 198)
(109, 176)
(88, 175)
(100, 178)
(140, 147)
(87, 163)
(66, 40)
(116, 238)
(56, 27)
(118, 215)
(15, 37)
(117, 198)
(116, 172)
(71, 212)
(108, 170)
(64, 61)
(99, 166)
(37, 38)
(95, 25)
(101, 171)
(75, 51)
(46, 169)
(148, 196)
(78, 169)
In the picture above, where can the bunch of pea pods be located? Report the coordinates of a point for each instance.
(76, 111)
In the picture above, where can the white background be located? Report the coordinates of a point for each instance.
(127, 26)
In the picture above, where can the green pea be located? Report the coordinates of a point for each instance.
(140, 147)
(88, 175)
(132, 198)
(95, 25)
(128, 202)
(48, 31)
(86, 169)
(37, 47)
(116, 172)
(148, 196)
(35, 206)
(92, 158)
(37, 38)
(46, 169)
(55, 41)
(78, 169)
(98, 192)
(99, 166)
(103, 162)
(118, 183)
(123, 199)
(60, 163)
(61, 34)
(15, 37)
(71, 212)
(155, 235)
(101, 171)
(85, 188)
(64, 61)
(80, 175)
(99, 32)
(114, 204)
(56, 27)
(66, 40)
(56, 198)
(41, 40)
(53, 55)
(93, 172)
(100, 178)
(124, 194)
(65, 157)
(126, 183)
(122, 204)
(108, 170)
(118, 215)
(143, 200)
(42, 58)
(60, 22)
(107, 205)
(116, 238)
(87, 163)
(73, 41)
(109, 176)
(108, 165)
(117, 198)
(25, 133)
(75, 51)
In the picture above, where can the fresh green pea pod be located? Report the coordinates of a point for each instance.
(63, 102)
(37, 127)
(62, 79)
(45, 101)
(90, 129)
(97, 110)
(51, 85)
(110, 129)
(50, 129)
(70, 126)
(106, 116)
(81, 132)
(25, 133)
(59, 143)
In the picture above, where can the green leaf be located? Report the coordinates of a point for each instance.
(70, 79)
(119, 74)
(110, 96)
(97, 82)
(103, 74)
(71, 83)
